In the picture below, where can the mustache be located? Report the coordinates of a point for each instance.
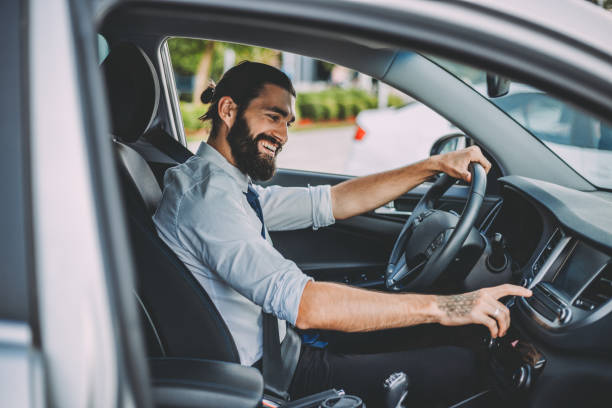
(269, 139)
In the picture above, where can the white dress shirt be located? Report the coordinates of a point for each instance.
(205, 219)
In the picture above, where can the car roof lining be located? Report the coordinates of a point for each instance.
(137, 22)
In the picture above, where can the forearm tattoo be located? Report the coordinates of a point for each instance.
(457, 305)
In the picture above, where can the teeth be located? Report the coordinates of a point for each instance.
(269, 147)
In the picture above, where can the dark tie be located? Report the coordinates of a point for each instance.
(271, 361)
(253, 199)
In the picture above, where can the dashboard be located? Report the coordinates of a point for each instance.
(560, 245)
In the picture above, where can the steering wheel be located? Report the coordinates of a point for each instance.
(430, 239)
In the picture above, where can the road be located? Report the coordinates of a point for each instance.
(323, 150)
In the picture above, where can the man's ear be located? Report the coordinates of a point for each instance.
(227, 111)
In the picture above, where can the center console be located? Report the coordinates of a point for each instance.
(571, 281)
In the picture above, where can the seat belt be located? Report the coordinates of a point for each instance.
(272, 368)
(167, 144)
(276, 372)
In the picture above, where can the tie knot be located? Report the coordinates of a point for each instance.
(251, 194)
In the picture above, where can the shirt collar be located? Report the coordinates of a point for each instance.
(209, 153)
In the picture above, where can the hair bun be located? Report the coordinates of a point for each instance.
(208, 94)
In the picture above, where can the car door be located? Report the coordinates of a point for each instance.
(21, 360)
(65, 292)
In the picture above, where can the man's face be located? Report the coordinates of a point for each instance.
(260, 132)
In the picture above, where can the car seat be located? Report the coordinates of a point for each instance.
(180, 319)
(134, 96)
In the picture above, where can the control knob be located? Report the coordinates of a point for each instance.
(521, 378)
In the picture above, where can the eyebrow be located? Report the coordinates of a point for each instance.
(282, 112)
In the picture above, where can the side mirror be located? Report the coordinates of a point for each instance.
(497, 86)
(448, 143)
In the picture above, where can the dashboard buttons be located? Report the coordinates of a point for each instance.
(584, 304)
(548, 305)
(541, 308)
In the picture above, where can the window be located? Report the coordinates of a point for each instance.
(581, 140)
(347, 122)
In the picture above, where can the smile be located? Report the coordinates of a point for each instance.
(268, 148)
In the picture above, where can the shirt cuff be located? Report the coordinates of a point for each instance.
(322, 212)
(285, 304)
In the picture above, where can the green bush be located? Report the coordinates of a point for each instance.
(334, 104)
(330, 104)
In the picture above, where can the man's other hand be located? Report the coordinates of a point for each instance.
(479, 307)
(456, 163)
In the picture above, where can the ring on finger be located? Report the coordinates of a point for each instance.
(496, 312)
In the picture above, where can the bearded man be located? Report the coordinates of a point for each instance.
(217, 222)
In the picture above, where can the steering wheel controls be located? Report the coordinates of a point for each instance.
(437, 243)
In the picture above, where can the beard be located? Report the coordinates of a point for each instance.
(245, 149)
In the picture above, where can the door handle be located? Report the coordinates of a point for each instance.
(389, 209)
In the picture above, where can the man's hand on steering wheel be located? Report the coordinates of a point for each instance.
(456, 163)
(479, 307)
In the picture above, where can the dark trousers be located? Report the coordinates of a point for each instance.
(443, 365)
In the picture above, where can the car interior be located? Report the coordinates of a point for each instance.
(531, 221)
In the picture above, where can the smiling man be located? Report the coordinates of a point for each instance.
(217, 222)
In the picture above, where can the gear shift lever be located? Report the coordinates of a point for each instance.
(396, 390)
(497, 260)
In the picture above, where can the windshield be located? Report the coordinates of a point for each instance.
(582, 141)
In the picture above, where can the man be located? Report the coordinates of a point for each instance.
(217, 222)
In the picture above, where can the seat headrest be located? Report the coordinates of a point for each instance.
(133, 91)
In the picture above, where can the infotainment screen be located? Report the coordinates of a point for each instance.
(582, 264)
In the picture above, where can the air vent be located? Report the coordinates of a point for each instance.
(553, 242)
(598, 292)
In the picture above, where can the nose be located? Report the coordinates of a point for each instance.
(281, 133)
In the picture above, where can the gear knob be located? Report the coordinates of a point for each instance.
(497, 260)
(396, 390)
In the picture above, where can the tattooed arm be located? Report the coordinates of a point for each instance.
(332, 306)
(480, 307)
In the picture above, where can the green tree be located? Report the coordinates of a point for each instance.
(204, 59)
(192, 57)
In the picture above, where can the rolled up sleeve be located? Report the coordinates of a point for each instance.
(322, 213)
(290, 208)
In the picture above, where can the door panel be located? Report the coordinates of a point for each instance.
(355, 250)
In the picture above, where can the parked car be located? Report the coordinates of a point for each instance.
(80, 324)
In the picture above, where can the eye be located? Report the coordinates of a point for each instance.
(275, 118)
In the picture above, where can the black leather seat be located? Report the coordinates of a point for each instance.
(180, 319)
(134, 95)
